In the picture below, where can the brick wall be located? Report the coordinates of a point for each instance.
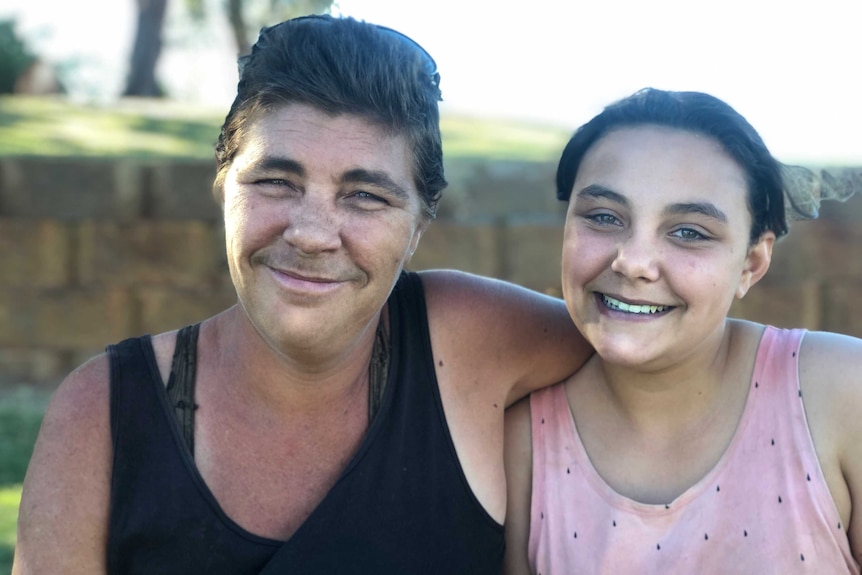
(93, 251)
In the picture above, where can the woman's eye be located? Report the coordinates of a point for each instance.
(368, 197)
(274, 182)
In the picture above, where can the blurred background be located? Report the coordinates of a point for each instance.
(790, 67)
(109, 110)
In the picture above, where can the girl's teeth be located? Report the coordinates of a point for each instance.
(623, 306)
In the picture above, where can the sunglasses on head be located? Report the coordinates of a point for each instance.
(430, 64)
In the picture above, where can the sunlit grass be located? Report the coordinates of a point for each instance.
(56, 127)
(10, 497)
(152, 128)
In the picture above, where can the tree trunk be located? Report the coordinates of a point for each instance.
(237, 25)
(145, 52)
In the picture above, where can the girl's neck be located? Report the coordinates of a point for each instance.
(674, 396)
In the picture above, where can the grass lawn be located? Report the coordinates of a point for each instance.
(32, 126)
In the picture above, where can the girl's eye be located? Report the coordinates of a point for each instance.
(688, 234)
(603, 219)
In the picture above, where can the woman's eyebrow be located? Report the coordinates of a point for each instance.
(375, 178)
(280, 164)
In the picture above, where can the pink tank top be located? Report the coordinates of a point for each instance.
(764, 508)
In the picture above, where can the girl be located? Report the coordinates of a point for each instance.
(690, 442)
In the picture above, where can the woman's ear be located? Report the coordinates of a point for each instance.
(417, 235)
(756, 263)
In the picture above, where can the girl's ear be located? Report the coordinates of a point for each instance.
(756, 263)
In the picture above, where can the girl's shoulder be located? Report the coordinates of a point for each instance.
(831, 359)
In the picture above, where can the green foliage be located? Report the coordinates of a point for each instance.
(21, 415)
(21, 412)
(14, 56)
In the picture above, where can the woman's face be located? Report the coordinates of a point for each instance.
(657, 245)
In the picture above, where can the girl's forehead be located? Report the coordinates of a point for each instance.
(643, 159)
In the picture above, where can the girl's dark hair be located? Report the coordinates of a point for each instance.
(698, 113)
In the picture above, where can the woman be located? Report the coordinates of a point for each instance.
(691, 442)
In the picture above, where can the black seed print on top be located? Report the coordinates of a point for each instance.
(615, 522)
(801, 556)
(658, 546)
(666, 506)
(773, 442)
(779, 499)
(567, 471)
(794, 354)
(745, 532)
(705, 537)
(717, 488)
(576, 535)
(542, 515)
(808, 476)
(839, 525)
(756, 384)
(543, 421)
(800, 393)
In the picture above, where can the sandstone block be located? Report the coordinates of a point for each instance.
(164, 309)
(35, 253)
(531, 254)
(178, 253)
(67, 319)
(68, 188)
(469, 248)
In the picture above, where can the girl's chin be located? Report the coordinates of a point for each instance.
(630, 353)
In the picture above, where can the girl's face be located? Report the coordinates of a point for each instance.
(657, 245)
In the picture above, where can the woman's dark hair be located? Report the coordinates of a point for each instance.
(701, 114)
(342, 66)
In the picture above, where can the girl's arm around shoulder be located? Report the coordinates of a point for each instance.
(501, 333)
(830, 371)
(519, 478)
(63, 516)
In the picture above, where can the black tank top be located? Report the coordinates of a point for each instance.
(402, 505)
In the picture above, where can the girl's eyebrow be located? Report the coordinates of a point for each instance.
(599, 191)
(704, 208)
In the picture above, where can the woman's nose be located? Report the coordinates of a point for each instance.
(312, 227)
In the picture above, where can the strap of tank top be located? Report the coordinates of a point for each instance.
(378, 369)
(181, 383)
